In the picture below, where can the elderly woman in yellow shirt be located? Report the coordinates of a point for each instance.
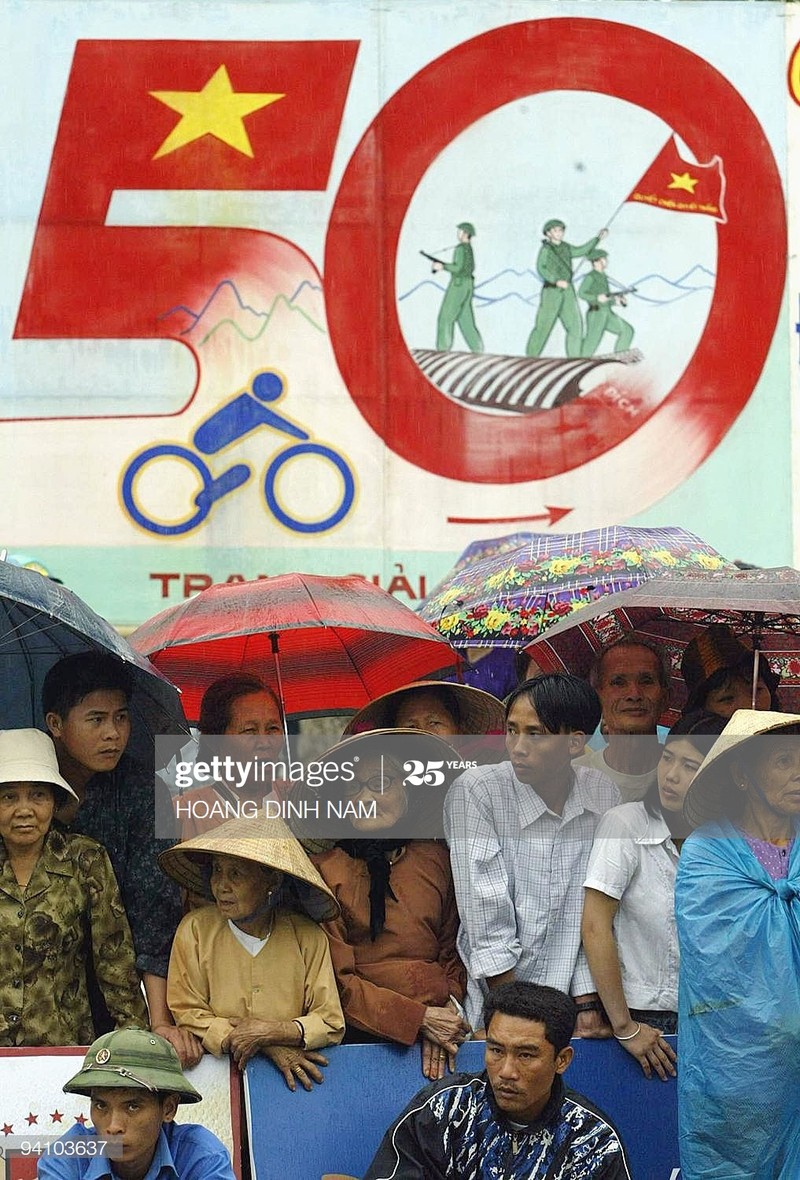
(252, 973)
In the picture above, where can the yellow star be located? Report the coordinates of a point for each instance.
(215, 110)
(684, 181)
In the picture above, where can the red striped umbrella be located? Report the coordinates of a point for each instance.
(326, 644)
(761, 606)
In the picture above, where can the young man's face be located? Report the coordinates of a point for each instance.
(522, 1065)
(536, 754)
(94, 732)
(135, 1116)
(556, 234)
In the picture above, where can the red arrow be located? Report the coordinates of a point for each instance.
(551, 515)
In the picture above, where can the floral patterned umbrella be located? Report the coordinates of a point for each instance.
(505, 591)
(761, 607)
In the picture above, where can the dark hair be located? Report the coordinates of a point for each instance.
(533, 1001)
(562, 702)
(521, 662)
(443, 694)
(215, 707)
(743, 671)
(596, 671)
(701, 729)
(72, 678)
(60, 796)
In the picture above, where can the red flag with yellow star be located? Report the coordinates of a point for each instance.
(676, 184)
(261, 116)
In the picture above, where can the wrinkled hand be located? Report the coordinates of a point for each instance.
(650, 1050)
(444, 1027)
(592, 1025)
(185, 1043)
(299, 1064)
(435, 1060)
(245, 1039)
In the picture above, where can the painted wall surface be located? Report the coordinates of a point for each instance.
(277, 292)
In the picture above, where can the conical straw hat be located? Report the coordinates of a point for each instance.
(479, 712)
(712, 787)
(267, 842)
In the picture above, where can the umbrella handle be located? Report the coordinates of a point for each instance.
(273, 638)
(754, 686)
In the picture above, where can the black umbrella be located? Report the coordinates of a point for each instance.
(41, 621)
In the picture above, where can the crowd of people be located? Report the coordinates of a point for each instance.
(630, 889)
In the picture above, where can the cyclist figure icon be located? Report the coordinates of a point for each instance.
(243, 413)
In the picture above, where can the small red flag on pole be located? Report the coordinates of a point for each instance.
(679, 186)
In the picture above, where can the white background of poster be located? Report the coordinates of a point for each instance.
(739, 499)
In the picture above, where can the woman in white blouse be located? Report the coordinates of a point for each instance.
(628, 926)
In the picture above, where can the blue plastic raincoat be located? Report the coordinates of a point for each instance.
(739, 1011)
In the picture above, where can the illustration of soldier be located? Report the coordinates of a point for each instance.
(601, 316)
(456, 306)
(558, 299)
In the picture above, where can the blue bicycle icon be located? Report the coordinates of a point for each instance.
(242, 414)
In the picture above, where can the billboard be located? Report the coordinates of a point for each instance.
(342, 287)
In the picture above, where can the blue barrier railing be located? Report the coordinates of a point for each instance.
(337, 1127)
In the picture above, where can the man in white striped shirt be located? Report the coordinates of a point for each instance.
(520, 834)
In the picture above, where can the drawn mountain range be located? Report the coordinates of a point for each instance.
(663, 309)
(526, 286)
(226, 309)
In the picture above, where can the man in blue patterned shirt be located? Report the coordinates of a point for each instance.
(517, 1119)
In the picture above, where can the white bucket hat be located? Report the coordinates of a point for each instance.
(29, 756)
(712, 788)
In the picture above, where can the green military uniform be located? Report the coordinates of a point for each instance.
(554, 264)
(457, 303)
(601, 317)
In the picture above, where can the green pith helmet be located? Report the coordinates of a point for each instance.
(131, 1057)
(467, 227)
(595, 255)
(553, 223)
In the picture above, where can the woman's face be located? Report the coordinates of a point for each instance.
(26, 812)
(241, 887)
(737, 693)
(425, 710)
(677, 766)
(380, 793)
(255, 717)
(771, 782)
